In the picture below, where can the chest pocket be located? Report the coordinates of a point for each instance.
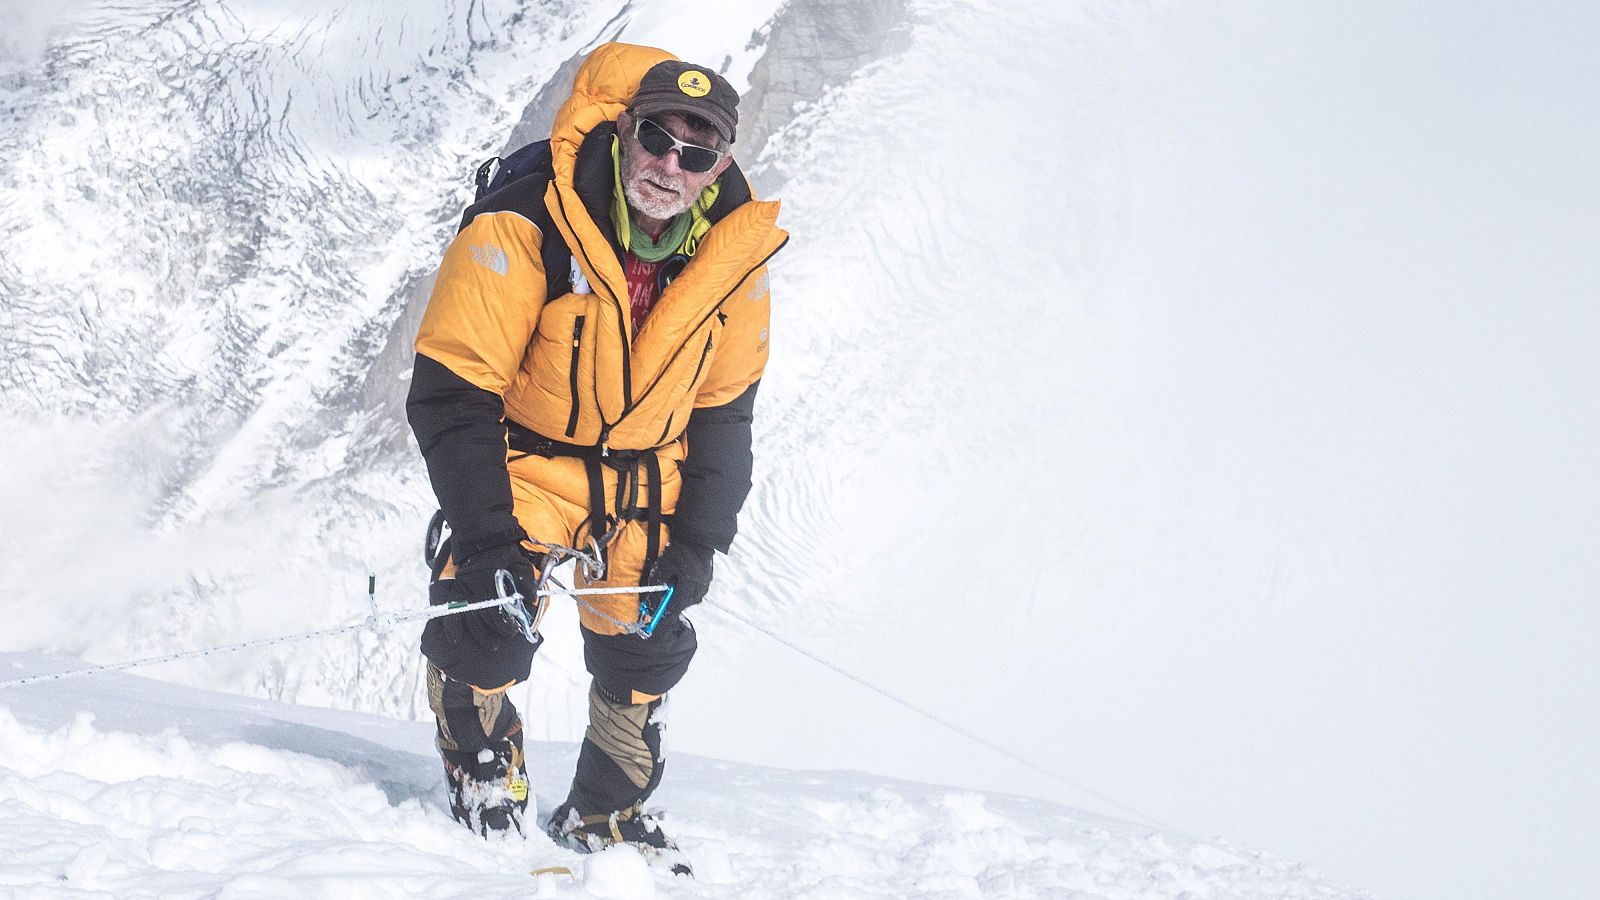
(555, 393)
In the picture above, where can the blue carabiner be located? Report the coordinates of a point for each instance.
(654, 617)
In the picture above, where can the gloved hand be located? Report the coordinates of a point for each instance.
(687, 567)
(488, 628)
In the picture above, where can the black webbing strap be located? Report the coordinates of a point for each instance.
(652, 515)
(592, 466)
(521, 439)
(484, 176)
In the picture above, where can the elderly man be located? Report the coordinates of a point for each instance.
(585, 378)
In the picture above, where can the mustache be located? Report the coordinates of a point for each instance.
(673, 184)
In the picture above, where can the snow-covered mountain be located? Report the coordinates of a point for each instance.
(1198, 403)
(222, 223)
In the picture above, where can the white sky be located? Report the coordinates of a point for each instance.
(1360, 384)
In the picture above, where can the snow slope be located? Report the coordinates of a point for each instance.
(125, 787)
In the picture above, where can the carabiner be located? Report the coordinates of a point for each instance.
(652, 618)
(517, 609)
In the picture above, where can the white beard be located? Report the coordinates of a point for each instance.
(653, 205)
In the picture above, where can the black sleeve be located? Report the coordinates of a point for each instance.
(716, 473)
(461, 431)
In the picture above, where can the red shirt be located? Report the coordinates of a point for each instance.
(643, 288)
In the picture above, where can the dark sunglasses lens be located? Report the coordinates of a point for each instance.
(696, 159)
(658, 142)
(653, 138)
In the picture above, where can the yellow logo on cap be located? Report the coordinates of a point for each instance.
(695, 84)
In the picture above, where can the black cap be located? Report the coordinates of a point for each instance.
(680, 87)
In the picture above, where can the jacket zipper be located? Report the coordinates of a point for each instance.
(629, 403)
(622, 329)
(572, 379)
(702, 363)
(696, 377)
(716, 309)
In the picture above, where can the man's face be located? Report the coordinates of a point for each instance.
(657, 186)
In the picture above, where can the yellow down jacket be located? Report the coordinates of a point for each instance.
(509, 339)
(570, 367)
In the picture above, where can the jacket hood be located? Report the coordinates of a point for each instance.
(605, 83)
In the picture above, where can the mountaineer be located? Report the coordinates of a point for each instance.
(585, 378)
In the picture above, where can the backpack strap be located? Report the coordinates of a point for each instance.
(517, 182)
(484, 177)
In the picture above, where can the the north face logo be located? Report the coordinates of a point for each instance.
(761, 287)
(490, 257)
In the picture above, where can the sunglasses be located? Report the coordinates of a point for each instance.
(658, 141)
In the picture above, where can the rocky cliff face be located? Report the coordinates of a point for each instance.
(806, 49)
(809, 49)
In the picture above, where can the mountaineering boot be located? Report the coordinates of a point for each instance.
(632, 826)
(488, 790)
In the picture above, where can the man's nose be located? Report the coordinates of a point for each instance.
(669, 163)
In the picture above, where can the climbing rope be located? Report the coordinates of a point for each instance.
(379, 623)
(938, 720)
(375, 622)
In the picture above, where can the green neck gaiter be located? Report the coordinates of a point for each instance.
(655, 250)
(683, 233)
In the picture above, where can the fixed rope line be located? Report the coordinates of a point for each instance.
(938, 720)
(375, 623)
(380, 624)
